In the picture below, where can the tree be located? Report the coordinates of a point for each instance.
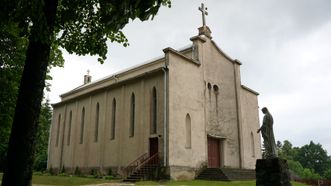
(309, 161)
(11, 66)
(80, 27)
(313, 156)
(12, 54)
(287, 151)
(45, 119)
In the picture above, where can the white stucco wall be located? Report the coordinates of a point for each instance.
(185, 97)
(107, 153)
(250, 124)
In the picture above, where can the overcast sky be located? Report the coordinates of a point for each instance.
(284, 46)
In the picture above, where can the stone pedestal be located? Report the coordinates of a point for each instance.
(272, 172)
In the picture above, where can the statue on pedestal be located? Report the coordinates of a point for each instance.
(270, 171)
(268, 135)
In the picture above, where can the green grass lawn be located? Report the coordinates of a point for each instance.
(206, 183)
(200, 183)
(67, 180)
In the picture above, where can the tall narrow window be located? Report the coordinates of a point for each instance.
(82, 122)
(188, 131)
(154, 111)
(58, 130)
(69, 128)
(96, 129)
(252, 145)
(113, 120)
(132, 115)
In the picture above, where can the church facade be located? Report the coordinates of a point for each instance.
(188, 108)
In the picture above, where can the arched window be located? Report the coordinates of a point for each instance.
(58, 130)
(154, 112)
(132, 115)
(188, 131)
(252, 145)
(69, 128)
(82, 122)
(215, 87)
(96, 129)
(113, 120)
(209, 86)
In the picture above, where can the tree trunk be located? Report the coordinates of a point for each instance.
(18, 171)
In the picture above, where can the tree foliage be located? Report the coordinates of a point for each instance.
(12, 56)
(45, 119)
(314, 157)
(81, 27)
(13, 47)
(302, 172)
(85, 26)
(327, 174)
(309, 161)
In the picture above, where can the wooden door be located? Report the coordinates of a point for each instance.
(153, 146)
(213, 153)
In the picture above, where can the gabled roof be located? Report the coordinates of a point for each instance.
(249, 90)
(138, 67)
(121, 72)
(224, 54)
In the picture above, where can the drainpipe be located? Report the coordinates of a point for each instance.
(165, 94)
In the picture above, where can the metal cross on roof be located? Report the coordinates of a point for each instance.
(204, 12)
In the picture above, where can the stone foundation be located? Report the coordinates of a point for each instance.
(85, 171)
(272, 172)
(182, 173)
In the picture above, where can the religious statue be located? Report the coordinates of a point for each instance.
(268, 135)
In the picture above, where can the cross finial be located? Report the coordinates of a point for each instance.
(204, 12)
(88, 72)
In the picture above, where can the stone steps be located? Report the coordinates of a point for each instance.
(226, 174)
(141, 174)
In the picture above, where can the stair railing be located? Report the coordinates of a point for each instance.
(134, 164)
(140, 162)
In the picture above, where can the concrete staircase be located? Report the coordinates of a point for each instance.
(142, 168)
(144, 173)
(226, 174)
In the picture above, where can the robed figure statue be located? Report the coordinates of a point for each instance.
(268, 135)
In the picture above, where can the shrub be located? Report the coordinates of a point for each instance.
(77, 172)
(63, 170)
(310, 174)
(327, 174)
(304, 173)
(40, 163)
(109, 177)
(51, 171)
(37, 173)
(110, 172)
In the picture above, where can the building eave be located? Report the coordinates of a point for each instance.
(114, 76)
(250, 90)
(225, 55)
(113, 83)
(177, 53)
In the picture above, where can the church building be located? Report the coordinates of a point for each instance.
(186, 111)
